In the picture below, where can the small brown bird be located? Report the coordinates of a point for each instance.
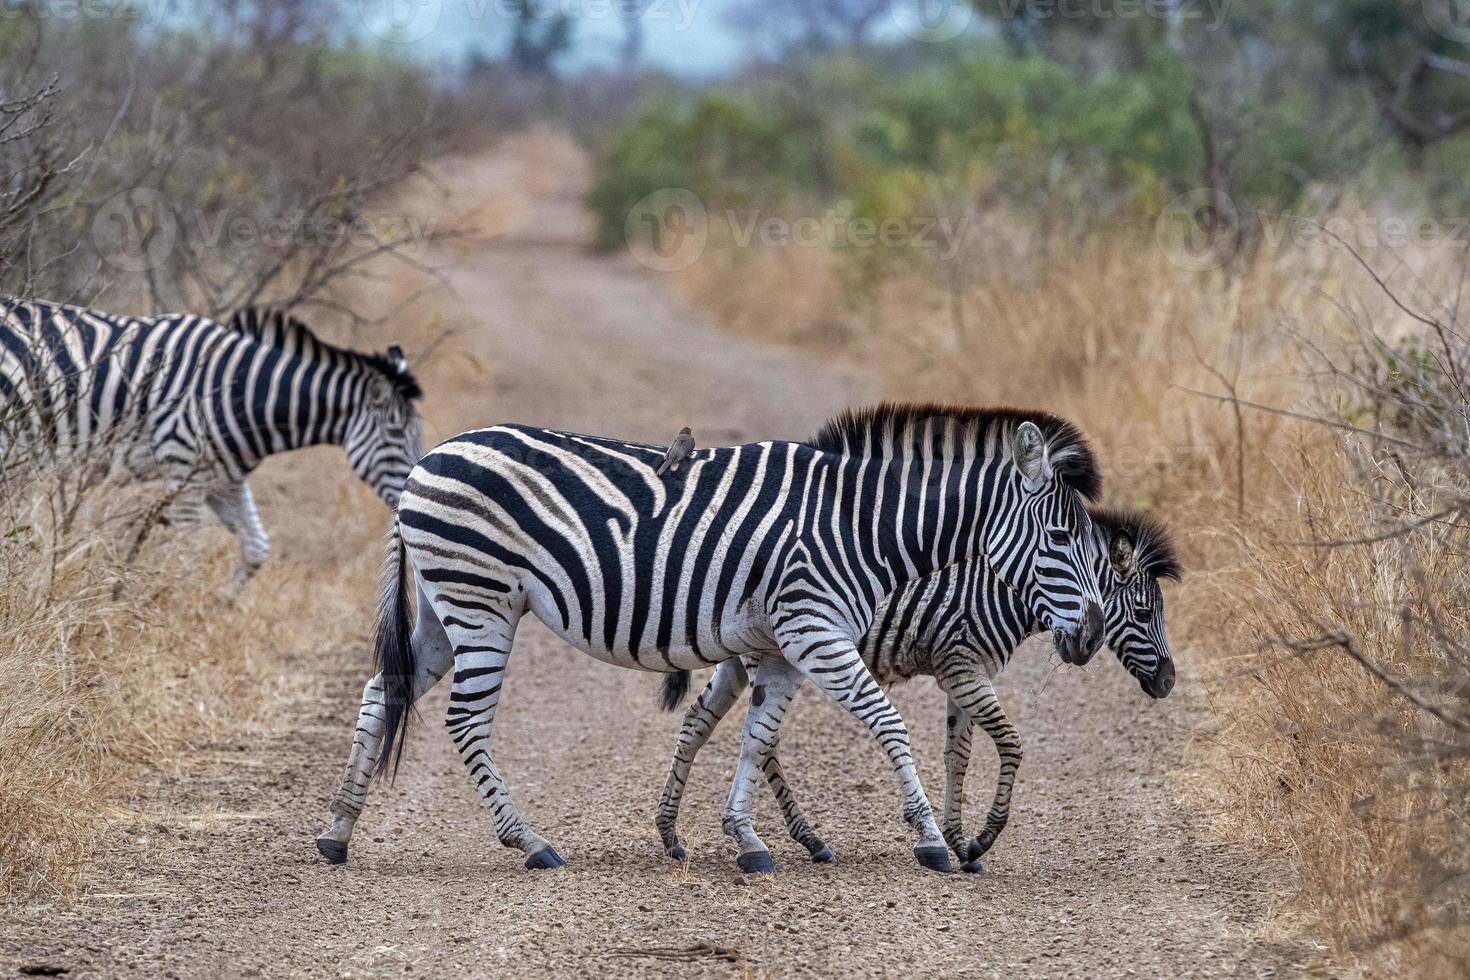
(678, 452)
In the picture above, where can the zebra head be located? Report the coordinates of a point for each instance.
(383, 433)
(1044, 547)
(1140, 554)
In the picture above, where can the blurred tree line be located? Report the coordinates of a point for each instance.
(225, 155)
(1069, 113)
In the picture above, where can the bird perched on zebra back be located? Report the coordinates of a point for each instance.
(784, 548)
(199, 403)
(679, 451)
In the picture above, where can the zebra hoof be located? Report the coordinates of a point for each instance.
(824, 856)
(935, 857)
(333, 850)
(545, 858)
(973, 850)
(972, 866)
(678, 853)
(756, 862)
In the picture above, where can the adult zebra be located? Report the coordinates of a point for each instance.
(959, 625)
(200, 403)
(778, 545)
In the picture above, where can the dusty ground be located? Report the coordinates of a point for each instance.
(1103, 871)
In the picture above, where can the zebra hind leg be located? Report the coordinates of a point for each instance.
(796, 823)
(774, 685)
(482, 632)
(718, 697)
(433, 657)
(958, 733)
(234, 505)
(977, 701)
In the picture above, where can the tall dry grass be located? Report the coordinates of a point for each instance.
(1305, 753)
(113, 668)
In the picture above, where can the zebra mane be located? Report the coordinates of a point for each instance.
(865, 430)
(1152, 542)
(276, 328)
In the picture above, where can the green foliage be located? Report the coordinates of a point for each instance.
(882, 143)
(729, 149)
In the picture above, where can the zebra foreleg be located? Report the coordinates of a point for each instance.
(775, 684)
(978, 701)
(433, 657)
(833, 664)
(718, 697)
(234, 505)
(482, 638)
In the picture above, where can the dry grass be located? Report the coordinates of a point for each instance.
(99, 689)
(1305, 755)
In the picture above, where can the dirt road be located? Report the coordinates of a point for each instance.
(1103, 872)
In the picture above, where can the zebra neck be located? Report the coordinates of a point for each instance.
(291, 401)
(917, 525)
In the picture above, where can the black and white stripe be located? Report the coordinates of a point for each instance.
(198, 403)
(961, 625)
(778, 546)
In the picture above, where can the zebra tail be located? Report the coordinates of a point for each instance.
(393, 654)
(675, 688)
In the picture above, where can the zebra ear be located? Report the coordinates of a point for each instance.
(1123, 554)
(1029, 451)
(396, 358)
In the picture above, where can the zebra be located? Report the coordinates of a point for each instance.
(200, 403)
(767, 546)
(959, 625)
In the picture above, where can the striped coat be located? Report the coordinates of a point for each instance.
(197, 403)
(782, 545)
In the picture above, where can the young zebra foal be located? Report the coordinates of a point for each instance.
(960, 626)
(199, 403)
(777, 546)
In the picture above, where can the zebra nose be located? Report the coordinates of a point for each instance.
(1091, 634)
(1162, 681)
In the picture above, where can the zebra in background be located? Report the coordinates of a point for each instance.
(959, 625)
(770, 546)
(200, 403)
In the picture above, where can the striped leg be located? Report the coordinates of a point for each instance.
(482, 634)
(976, 699)
(775, 684)
(957, 742)
(718, 697)
(433, 656)
(834, 665)
(235, 507)
(796, 823)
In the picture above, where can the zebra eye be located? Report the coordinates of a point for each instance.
(1058, 537)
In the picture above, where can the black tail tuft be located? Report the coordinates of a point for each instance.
(675, 688)
(393, 655)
